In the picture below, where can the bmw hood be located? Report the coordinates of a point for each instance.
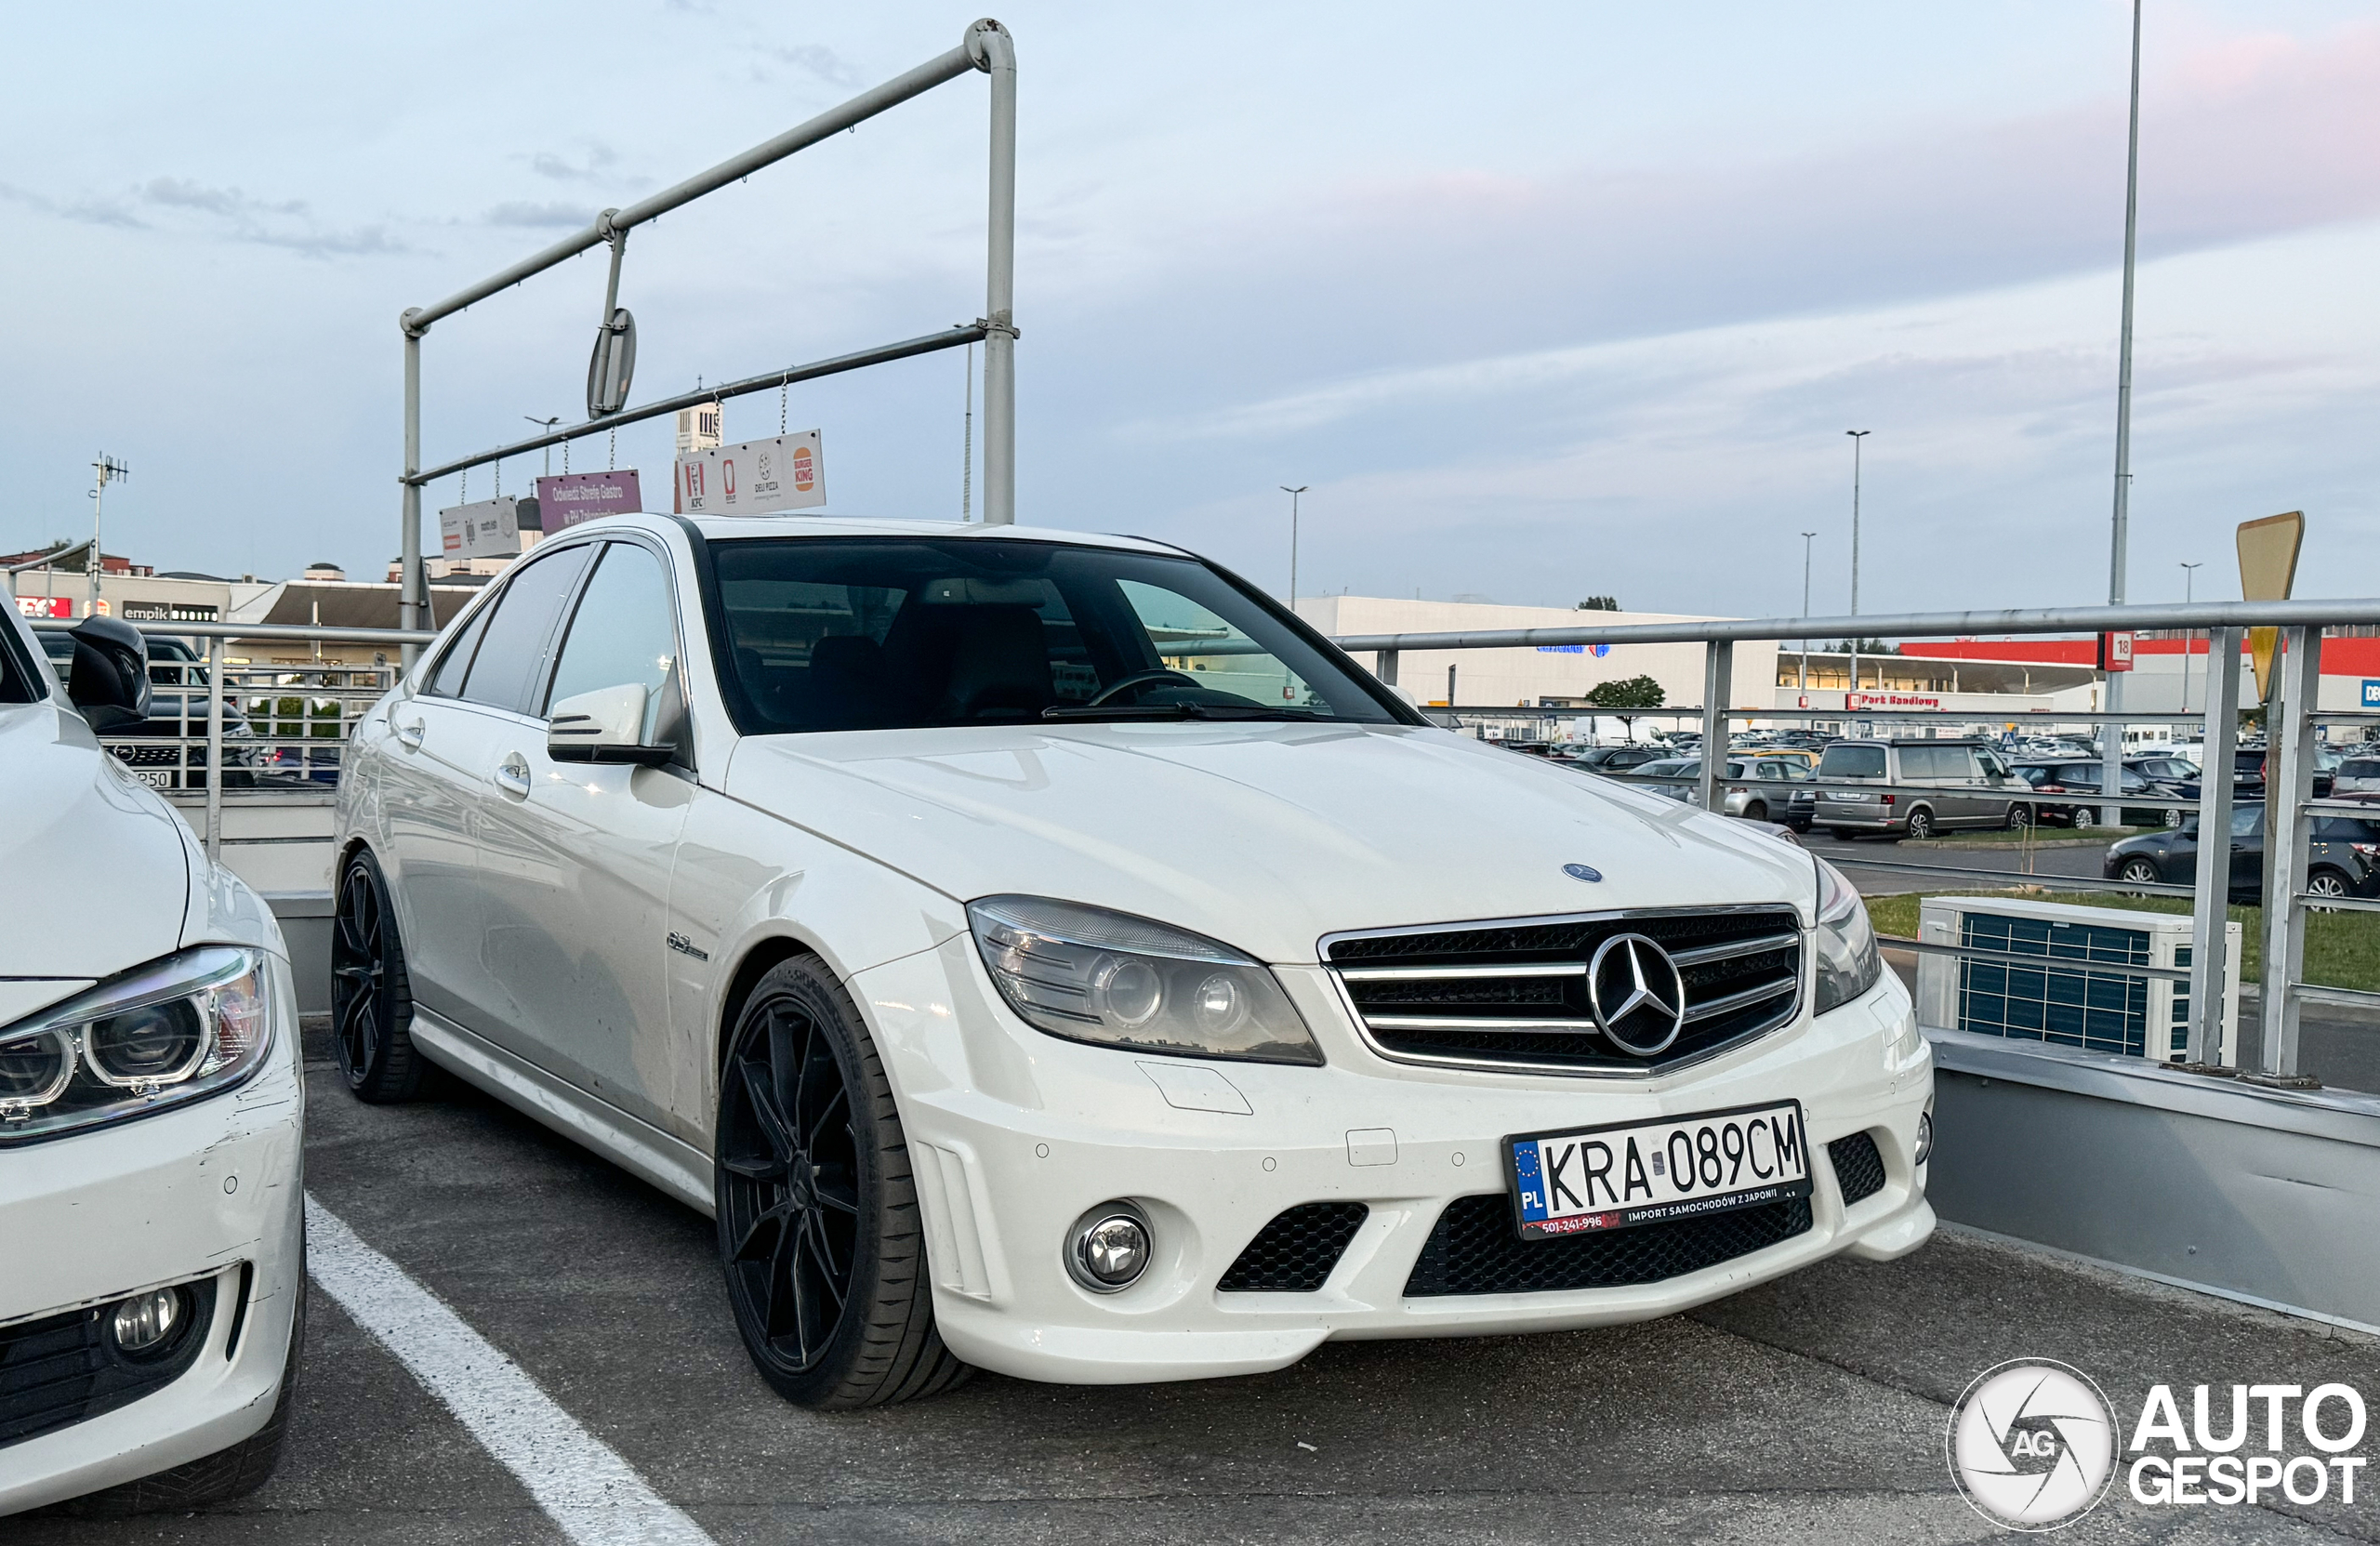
(1264, 836)
(98, 871)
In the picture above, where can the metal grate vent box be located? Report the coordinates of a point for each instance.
(2063, 1000)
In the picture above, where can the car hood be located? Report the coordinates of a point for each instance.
(1265, 836)
(98, 869)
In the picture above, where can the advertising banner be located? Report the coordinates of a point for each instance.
(488, 529)
(785, 472)
(58, 607)
(567, 498)
(2115, 652)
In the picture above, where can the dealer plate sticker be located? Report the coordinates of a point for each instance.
(1591, 1179)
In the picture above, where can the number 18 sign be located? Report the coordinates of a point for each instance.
(785, 472)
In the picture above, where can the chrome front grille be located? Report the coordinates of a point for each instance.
(1513, 993)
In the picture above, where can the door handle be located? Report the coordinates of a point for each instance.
(409, 736)
(513, 774)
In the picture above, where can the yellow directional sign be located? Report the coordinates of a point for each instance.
(2267, 570)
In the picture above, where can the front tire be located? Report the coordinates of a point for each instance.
(371, 992)
(2140, 872)
(819, 1232)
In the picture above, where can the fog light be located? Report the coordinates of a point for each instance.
(1925, 1139)
(146, 1322)
(1109, 1248)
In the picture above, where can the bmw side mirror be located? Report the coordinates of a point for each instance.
(108, 678)
(606, 725)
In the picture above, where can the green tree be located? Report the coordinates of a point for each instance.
(1600, 603)
(1627, 692)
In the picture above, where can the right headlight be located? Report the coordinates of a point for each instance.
(166, 1034)
(1848, 963)
(1088, 975)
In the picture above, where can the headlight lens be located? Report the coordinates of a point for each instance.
(1088, 974)
(1848, 964)
(171, 1032)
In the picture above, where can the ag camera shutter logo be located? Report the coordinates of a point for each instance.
(2032, 1445)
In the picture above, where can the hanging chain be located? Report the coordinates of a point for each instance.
(614, 454)
(565, 459)
(499, 477)
(463, 487)
(782, 388)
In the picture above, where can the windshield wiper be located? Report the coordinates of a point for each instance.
(1173, 711)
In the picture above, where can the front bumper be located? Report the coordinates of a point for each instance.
(1013, 1135)
(210, 1191)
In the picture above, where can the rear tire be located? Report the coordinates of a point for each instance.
(2326, 883)
(372, 994)
(1755, 812)
(1920, 824)
(2140, 872)
(819, 1232)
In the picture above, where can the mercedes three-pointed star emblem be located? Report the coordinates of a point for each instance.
(1637, 993)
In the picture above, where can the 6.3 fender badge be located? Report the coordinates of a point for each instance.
(685, 946)
(1582, 872)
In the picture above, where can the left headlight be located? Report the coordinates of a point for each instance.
(1088, 975)
(171, 1032)
(1848, 963)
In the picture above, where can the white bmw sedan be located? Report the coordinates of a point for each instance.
(151, 1249)
(1042, 952)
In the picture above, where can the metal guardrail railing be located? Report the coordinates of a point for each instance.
(2292, 712)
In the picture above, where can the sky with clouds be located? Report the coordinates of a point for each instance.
(1540, 301)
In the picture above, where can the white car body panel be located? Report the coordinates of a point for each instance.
(207, 1189)
(863, 847)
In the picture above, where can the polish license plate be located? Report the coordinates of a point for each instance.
(1588, 1180)
(156, 778)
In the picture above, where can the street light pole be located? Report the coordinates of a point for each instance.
(1858, 436)
(1804, 674)
(2111, 750)
(547, 423)
(2189, 582)
(1293, 494)
(109, 470)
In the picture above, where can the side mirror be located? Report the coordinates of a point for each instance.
(109, 680)
(606, 725)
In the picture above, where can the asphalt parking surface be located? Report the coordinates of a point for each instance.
(1811, 1410)
(2005, 858)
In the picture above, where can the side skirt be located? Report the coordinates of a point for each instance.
(642, 1150)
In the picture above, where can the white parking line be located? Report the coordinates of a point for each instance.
(582, 1483)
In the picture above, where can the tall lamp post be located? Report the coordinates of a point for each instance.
(2112, 747)
(1293, 494)
(548, 424)
(1856, 436)
(1804, 678)
(107, 471)
(2189, 582)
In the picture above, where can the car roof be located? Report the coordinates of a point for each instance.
(728, 528)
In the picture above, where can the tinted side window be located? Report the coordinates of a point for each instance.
(1919, 764)
(512, 651)
(447, 680)
(1852, 762)
(2361, 767)
(624, 631)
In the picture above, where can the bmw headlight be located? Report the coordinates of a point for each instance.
(1088, 974)
(1848, 964)
(166, 1033)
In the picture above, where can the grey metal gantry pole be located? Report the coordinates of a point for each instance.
(1858, 437)
(1804, 677)
(2112, 749)
(409, 585)
(993, 52)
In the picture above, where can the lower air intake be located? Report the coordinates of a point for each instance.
(1295, 1253)
(1858, 1168)
(1474, 1250)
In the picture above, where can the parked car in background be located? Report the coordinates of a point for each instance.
(1912, 788)
(1609, 759)
(2164, 767)
(178, 708)
(2358, 773)
(2083, 779)
(153, 1274)
(1759, 792)
(2342, 856)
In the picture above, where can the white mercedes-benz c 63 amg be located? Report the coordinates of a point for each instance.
(1042, 952)
(152, 1278)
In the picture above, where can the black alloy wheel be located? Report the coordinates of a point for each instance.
(371, 992)
(2020, 815)
(1920, 824)
(819, 1234)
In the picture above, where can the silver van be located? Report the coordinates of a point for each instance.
(1915, 789)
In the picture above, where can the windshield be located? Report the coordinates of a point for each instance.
(882, 633)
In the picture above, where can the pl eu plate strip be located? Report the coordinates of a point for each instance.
(579, 1481)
